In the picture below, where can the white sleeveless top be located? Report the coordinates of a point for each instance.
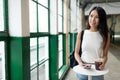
(91, 45)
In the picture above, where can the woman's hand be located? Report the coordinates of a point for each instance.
(101, 67)
(86, 66)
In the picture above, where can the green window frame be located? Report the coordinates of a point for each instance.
(4, 38)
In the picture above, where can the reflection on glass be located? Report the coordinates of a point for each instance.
(59, 23)
(59, 15)
(34, 74)
(33, 51)
(32, 16)
(60, 7)
(43, 2)
(43, 71)
(2, 61)
(60, 59)
(43, 48)
(43, 19)
(60, 48)
(1, 16)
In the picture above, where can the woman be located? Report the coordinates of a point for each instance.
(96, 37)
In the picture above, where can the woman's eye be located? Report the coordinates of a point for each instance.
(91, 15)
(96, 17)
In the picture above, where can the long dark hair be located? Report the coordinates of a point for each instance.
(102, 27)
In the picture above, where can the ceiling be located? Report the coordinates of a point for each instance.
(83, 3)
(111, 6)
(98, 1)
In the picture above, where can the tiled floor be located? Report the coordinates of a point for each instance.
(113, 64)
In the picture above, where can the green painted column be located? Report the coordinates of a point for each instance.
(53, 56)
(19, 58)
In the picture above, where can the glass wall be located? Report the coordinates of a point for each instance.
(39, 46)
(40, 36)
(60, 36)
(41, 41)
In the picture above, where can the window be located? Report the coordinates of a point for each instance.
(43, 48)
(43, 19)
(60, 36)
(33, 16)
(1, 16)
(2, 61)
(33, 52)
(38, 16)
(60, 16)
(60, 39)
(39, 46)
(3, 40)
(39, 58)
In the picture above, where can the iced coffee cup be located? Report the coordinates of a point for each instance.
(99, 60)
(97, 64)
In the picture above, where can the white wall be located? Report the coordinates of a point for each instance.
(18, 18)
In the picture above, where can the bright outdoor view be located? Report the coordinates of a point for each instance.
(2, 61)
(2, 47)
(1, 16)
(39, 45)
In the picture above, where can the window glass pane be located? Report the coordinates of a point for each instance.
(43, 2)
(60, 7)
(43, 48)
(60, 51)
(59, 23)
(1, 16)
(44, 72)
(32, 16)
(60, 59)
(33, 51)
(2, 61)
(34, 74)
(60, 42)
(43, 19)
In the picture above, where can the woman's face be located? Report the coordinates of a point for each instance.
(93, 19)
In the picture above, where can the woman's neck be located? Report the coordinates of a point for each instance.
(93, 30)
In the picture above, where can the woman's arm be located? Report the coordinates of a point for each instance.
(77, 49)
(105, 51)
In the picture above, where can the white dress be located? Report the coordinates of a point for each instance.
(91, 46)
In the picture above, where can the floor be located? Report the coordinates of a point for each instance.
(113, 64)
